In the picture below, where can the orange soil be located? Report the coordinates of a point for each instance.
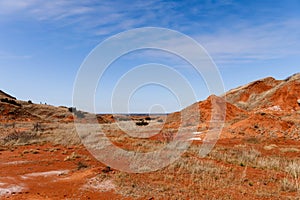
(20, 166)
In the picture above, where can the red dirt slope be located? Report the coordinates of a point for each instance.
(267, 93)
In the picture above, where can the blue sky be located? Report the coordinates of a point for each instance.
(43, 44)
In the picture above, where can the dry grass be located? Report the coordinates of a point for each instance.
(289, 150)
(193, 178)
(291, 182)
(273, 164)
(289, 185)
(223, 174)
(24, 133)
(243, 157)
(198, 176)
(270, 147)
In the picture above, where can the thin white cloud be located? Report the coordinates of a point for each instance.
(235, 43)
(9, 6)
(94, 16)
(58, 10)
(44, 10)
(246, 44)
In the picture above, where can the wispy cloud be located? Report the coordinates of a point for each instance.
(58, 10)
(240, 44)
(95, 16)
(9, 7)
(245, 44)
(44, 10)
(240, 41)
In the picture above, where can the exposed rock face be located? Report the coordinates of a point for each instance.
(266, 93)
(263, 108)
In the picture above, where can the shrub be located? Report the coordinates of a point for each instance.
(19, 136)
(79, 114)
(81, 165)
(72, 109)
(106, 169)
(10, 101)
(76, 112)
(37, 126)
(141, 123)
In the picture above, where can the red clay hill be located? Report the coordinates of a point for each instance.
(266, 108)
(267, 93)
(263, 108)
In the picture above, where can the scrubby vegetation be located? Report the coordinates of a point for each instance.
(142, 123)
(10, 101)
(20, 137)
(76, 112)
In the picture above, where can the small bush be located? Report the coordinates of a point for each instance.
(72, 109)
(76, 112)
(141, 123)
(10, 101)
(106, 169)
(37, 127)
(19, 136)
(79, 114)
(81, 165)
